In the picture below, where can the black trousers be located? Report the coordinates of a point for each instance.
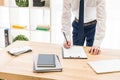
(89, 33)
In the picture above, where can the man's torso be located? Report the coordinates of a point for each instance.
(89, 9)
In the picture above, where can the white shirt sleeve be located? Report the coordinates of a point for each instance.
(100, 26)
(66, 18)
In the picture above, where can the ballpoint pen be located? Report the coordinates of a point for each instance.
(65, 37)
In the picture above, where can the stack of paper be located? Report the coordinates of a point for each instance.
(46, 63)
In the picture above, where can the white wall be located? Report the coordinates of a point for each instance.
(56, 35)
(112, 38)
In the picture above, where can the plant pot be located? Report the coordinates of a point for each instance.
(22, 3)
(38, 3)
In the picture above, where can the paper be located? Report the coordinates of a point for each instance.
(104, 66)
(74, 52)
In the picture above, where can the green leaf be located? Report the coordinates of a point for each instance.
(21, 38)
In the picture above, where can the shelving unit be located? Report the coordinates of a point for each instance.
(28, 18)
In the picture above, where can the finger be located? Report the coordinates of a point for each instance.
(69, 43)
(96, 51)
(99, 50)
(91, 50)
(66, 45)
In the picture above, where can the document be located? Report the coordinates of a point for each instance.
(105, 66)
(74, 52)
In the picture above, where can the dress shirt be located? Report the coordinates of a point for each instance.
(93, 9)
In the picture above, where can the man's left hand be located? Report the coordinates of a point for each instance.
(94, 50)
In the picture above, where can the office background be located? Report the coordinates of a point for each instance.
(111, 40)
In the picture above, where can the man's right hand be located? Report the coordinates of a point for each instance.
(67, 44)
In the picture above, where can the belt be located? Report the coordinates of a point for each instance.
(88, 23)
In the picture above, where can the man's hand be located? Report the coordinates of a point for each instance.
(67, 44)
(94, 50)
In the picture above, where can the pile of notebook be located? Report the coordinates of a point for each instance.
(46, 63)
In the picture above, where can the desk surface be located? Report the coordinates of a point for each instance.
(21, 67)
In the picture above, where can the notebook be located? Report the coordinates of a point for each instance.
(74, 52)
(46, 60)
(57, 68)
(105, 66)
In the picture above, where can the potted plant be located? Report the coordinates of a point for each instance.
(21, 38)
(22, 3)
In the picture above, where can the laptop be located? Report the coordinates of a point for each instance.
(105, 66)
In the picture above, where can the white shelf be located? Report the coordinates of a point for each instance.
(42, 36)
(39, 17)
(19, 16)
(30, 17)
(4, 17)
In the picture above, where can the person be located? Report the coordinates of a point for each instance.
(94, 23)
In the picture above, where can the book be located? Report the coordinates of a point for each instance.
(4, 38)
(18, 27)
(74, 52)
(57, 68)
(6, 32)
(105, 66)
(43, 27)
(46, 60)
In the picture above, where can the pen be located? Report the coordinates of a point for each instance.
(65, 37)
